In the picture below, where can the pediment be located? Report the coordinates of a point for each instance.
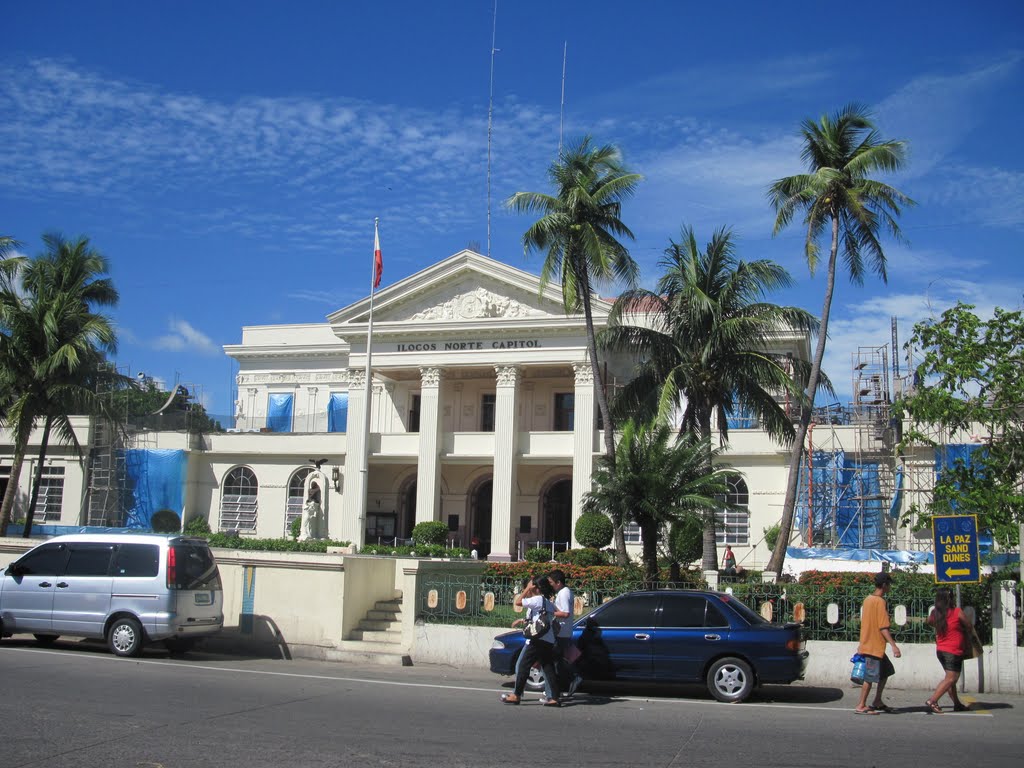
(466, 287)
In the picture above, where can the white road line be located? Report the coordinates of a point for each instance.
(437, 686)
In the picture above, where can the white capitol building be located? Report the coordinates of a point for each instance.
(482, 415)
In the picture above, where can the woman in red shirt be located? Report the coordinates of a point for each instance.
(951, 631)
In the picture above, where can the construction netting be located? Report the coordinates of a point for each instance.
(846, 502)
(154, 479)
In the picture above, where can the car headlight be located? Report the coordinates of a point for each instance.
(497, 645)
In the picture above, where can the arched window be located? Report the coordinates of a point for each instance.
(238, 500)
(734, 522)
(296, 498)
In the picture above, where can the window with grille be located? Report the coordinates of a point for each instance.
(632, 533)
(51, 495)
(487, 404)
(238, 500)
(296, 498)
(734, 522)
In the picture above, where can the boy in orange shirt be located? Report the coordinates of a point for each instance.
(874, 634)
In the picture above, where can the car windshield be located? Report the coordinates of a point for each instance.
(751, 617)
(196, 568)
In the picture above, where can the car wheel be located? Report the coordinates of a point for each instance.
(730, 680)
(178, 646)
(124, 638)
(46, 639)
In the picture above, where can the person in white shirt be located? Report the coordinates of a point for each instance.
(563, 613)
(535, 598)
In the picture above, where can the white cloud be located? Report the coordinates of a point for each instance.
(184, 336)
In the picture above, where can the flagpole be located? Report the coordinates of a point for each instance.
(368, 387)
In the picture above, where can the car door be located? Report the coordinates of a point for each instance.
(616, 639)
(81, 600)
(27, 600)
(690, 631)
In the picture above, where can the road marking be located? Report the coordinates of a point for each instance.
(436, 686)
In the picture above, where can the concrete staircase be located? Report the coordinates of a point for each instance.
(378, 638)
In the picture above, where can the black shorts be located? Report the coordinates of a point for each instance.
(951, 662)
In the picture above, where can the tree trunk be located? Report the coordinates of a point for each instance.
(38, 479)
(583, 278)
(709, 556)
(649, 534)
(12, 490)
(806, 411)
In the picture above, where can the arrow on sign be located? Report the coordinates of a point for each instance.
(958, 572)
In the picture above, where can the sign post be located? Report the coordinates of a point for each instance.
(956, 549)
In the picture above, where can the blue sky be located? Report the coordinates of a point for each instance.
(229, 158)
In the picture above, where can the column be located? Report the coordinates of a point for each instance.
(506, 435)
(353, 499)
(583, 438)
(428, 470)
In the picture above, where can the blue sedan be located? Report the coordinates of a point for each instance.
(675, 636)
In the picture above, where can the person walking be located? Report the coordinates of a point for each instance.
(952, 630)
(536, 598)
(874, 634)
(563, 612)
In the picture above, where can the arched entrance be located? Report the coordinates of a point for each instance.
(556, 513)
(480, 517)
(407, 510)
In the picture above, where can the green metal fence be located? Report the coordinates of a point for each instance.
(826, 613)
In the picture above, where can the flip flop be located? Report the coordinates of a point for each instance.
(509, 698)
(933, 708)
(550, 702)
(961, 708)
(865, 712)
(882, 708)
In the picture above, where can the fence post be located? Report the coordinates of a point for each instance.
(711, 577)
(1005, 660)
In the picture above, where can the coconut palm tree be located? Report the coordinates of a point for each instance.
(52, 347)
(580, 230)
(657, 477)
(703, 340)
(836, 196)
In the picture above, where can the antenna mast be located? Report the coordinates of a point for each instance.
(490, 123)
(561, 112)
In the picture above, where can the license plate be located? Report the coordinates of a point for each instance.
(203, 598)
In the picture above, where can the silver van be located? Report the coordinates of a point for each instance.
(126, 589)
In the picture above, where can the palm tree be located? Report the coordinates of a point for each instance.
(657, 477)
(703, 342)
(836, 196)
(580, 229)
(52, 347)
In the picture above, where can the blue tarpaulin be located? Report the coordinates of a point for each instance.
(845, 499)
(337, 412)
(154, 480)
(279, 412)
(885, 555)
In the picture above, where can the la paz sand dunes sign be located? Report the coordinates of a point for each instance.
(956, 549)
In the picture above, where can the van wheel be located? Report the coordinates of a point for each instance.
(179, 646)
(124, 638)
(46, 640)
(730, 680)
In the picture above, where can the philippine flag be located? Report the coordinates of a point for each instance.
(378, 260)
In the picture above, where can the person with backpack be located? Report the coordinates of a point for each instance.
(567, 673)
(540, 642)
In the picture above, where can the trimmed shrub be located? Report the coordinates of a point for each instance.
(594, 530)
(197, 526)
(295, 529)
(165, 521)
(686, 539)
(430, 532)
(538, 555)
(771, 535)
(272, 545)
(582, 557)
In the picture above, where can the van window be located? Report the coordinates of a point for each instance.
(195, 567)
(47, 560)
(88, 559)
(137, 560)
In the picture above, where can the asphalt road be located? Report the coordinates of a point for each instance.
(76, 705)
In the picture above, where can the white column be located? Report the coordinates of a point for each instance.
(506, 435)
(353, 499)
(583, 439)
(428, 472)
